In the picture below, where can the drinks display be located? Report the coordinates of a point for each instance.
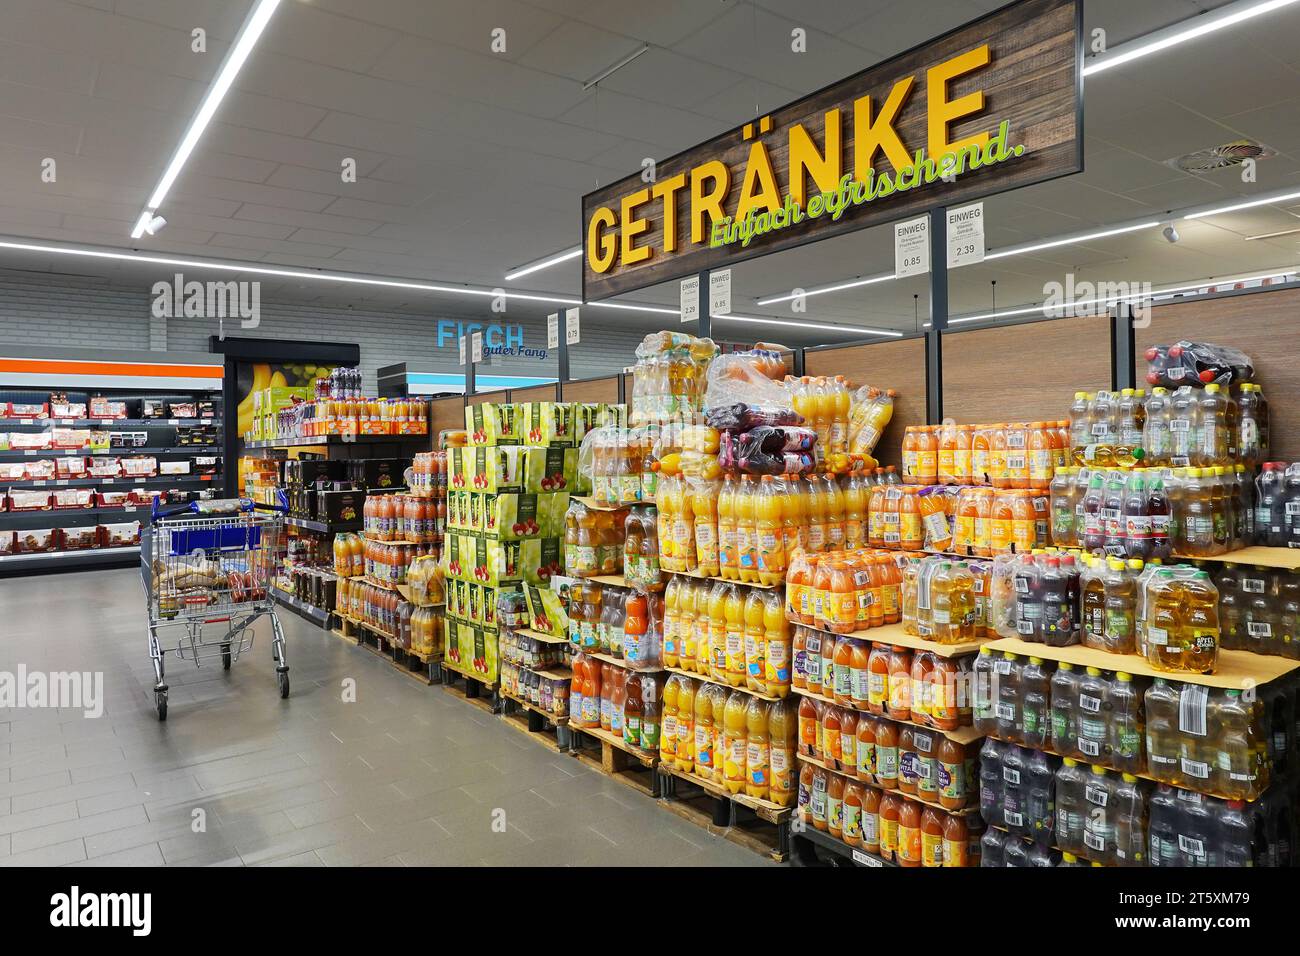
(594, 540)
(1259, 610)
(669, 378)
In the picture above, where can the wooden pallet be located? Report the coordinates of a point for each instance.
(472, 689)
(758, 825)
(616, 758)
(549, 730)
(420, 667)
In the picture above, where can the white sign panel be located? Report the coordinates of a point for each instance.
(691, 299)
(462, 349)
(720, 292)
(912, 247)
(571, 328)
(477, 339)
(965, 235)
(553, 330)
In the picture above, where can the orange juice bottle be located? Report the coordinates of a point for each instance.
(816, 510)
(747, 531)
(758, 751)
(1061, 442)
(797, 600)
(782, 734)
(840, 400)
(947, 461)
(714, 652)
(668, 719)
(911, 452)
(776, 646)
(728, 562)
(704, 508)
(876, 516)
(834, 498)
(1024, 522)
(688, 625)
(855, 511)
(672, 620)
(927, 455)
(1042, 455)
(735, 730)
(981, 446)
(733, 660)
(821, 593)
(790, 505)
(911, 537)
(890, 516)
(755, 642)
(687, 692)
(999, 524)
(997, 466)
(934, 519)
(843, 602)
(769, 531)
(961, 455)
(1017, 475)
(983, 522)
(963, 535)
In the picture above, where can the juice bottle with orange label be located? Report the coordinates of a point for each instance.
(1000, 518)
(934, 519)
(891, 589)
(899, 703)
(704, 509)
(792, 514)
(963, 536)
(798, 603)
(981, 447)
(809, 721)
(712, 656)
(733, 662)
(1042, 455)
(747, 531)
(932, 837)
(768, 531)
(833, 495)
(927, 455)
(876, 516)
(728, 562)
(909, 834)
(777, 646)
(843, 603)
(947, 460)
(822, 608)
(755, 642)
(961, 455)
(984, 522)
(758, 750)
(855, 511)
(1017, 475)
(816, 514)
(877, 678)
(910, 454)
(1024, 522)
(997, 460)
(735, 731)
(911, 537)
(831, 741)
(781, 732)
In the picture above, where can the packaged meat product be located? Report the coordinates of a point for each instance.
(73, 498)
(21, 441)
(81, 539)
(70, 467)
(128, 439)
(182, 410)
(66, 409)
(7, 542)
(152, 408)
(144, 466)
(12, 470)
(105, 467)
(145, 497)
(35, 540)
(29, 410)
(174, 468)
(206, 464)
(101, 407)
(113, 498)
(120, 535)
(28, 499)
(69, 437)
(40, 469)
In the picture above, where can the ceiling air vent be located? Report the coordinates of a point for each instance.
(1221, 157)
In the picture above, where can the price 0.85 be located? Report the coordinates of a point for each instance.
(909, 261)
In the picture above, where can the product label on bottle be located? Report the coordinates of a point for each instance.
(1013, 818)
(1094, 841)
(1191, 846)
(1096, 795)
(1195, 768)
(1011, 775)
(1089, 747)
(1261, 629)
(1180, 425)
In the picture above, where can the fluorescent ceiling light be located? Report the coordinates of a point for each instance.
(851, 329)
(1273, 235)
(837, 287)
(249, 34)
(1249, 204)
(657, 309)
(545, 263)
(1178, 33)
(606, 74)
(1067, 241)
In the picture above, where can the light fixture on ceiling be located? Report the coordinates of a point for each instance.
(849, 329)
(1170, 232)
(836, 287)
(1181, 32)
(607, 73)
(544, 263)
(1248, 204)
(1071, 240)
(1273, 235)
(248, 36)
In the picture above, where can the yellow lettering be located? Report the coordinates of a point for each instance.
(824, 167)
(758, 191)
(871, 135)
(943, 111)
(602, 248)
(667, 191)
(634, 227)
(710, 202)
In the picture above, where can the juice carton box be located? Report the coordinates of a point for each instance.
(494, 423)
(545, 610)
(549, 423)
(519, 469)
(512, 516)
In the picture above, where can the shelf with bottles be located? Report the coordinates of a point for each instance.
(966, 811)
(713, 577)
(617, 661)
(646, 757)
(894, 634)
(1056, 855)
(764, 809)
(962, 735)
(1282, 559)
(706, 679)
(543, 637)
(597, 504)
(1240, 670)
(856, 855)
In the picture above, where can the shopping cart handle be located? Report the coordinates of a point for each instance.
(282, 505)
(170, 512)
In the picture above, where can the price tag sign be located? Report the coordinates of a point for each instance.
(572, 330)
(965, 235)
(462, 350)
(912, 248)
(691, 299)
(477, 346)
(720, 292)
(553, 330)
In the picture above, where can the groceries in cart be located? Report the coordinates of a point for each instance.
(190, 582)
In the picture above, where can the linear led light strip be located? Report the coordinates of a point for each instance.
(249, 34)
(1133, 297)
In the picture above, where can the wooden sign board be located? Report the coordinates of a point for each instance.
(993, 105)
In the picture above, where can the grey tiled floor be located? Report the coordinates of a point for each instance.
(406, 776)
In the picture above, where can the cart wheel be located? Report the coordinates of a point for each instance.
(160, 701)
(225, 657)
(283, 678)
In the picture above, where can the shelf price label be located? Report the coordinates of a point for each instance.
(461, 340)
(912, 247)
(720, 292)
(553, 331)
(965, 235)
(691, 299)
(572, 327)
(476, 341)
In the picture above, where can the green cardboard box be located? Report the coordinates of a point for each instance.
(493, 423)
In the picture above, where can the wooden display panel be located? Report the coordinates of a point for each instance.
(897, 364)
(591, 390)
(1024, 372)
(1261, 324)
(534, 393)
(499, 395)
(446, 413)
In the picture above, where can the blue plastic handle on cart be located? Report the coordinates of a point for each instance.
(194, 508)
(282, 505)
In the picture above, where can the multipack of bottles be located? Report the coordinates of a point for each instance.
(594, 540)
(1036, 597)
(912, 686)
(526, 651)
(669, 378)
(1277, 506)
(427, 581)
(729, 634)
(429, 476)
(1180, 620)
(642, 533)
(824, 403)
(620, 463)
(548, 694)
(387, 564)
(616, 700)
(932, 767)
(1006, 455)
(399, 517)
(387, 612)
(843, 591)
(731, 738)
(945, 600)
(885, 823)
(1259, 610)
(621, 622)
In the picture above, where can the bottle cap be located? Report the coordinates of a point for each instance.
(1120, 675)
(1129, 778)
(1071, 762)
(1134, 564)
(1115, 564)
(1098, 770)
(1094, 671)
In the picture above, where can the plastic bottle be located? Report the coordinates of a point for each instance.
(1009, 670)
(1271, 519)
(1080, 427)
(728, 556)
(754, 641)
(1158, 511)
(757, 750)
(669, 712)
(684, 753)
(1120, 606)
(1212, 428)
(1071, 805)
(984, 714)
(1065, 709)
(1035, 709)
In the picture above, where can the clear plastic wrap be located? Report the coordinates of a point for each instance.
(768, 450)
(870, 412)
(1197, 363)
(741, 397)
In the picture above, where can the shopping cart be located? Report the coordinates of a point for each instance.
(208, 568)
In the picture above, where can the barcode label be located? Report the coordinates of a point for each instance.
(1195, 768)
(1157, 635)
(1006, 711)
(1097, 795)
(1191, 845)
(1022, 584)
(1091, 704)
(1192, 709)
(1011, 775)
(1012, 818)
(1259, 629)
(862, 858)
(1003, 666)
(1094, 842)
(1253, 585)
(1180, 425)
(1024, 627)
(1089, 748)
(924, 742)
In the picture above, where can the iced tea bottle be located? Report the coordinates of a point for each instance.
(1017, 460)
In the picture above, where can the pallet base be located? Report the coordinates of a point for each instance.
(617, 759)
(424, 668)
(474, 691)
(812, 847)
(754, 824)
(548, 730)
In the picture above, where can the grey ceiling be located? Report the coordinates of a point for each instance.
(472, 162)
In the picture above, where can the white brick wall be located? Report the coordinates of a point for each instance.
(38, 309)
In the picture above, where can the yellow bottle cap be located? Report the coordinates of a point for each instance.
(1115, 564)
(1099, 770)
(1094, 671)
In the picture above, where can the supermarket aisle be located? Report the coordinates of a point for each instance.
(406, 775)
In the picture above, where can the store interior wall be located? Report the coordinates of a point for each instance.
(41, 310)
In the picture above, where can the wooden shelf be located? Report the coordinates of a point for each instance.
(405, 591)
(712, 577)
(598, 505)
(1240, 670)
(559, 721)
(616, 661)
(765, 809)
(1287, 559)
(962, 735)
(540, 636)
(894, 634)
(723, 684)
(618, 743)
(966, 811)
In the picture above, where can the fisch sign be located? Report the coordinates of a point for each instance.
(993, 105)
